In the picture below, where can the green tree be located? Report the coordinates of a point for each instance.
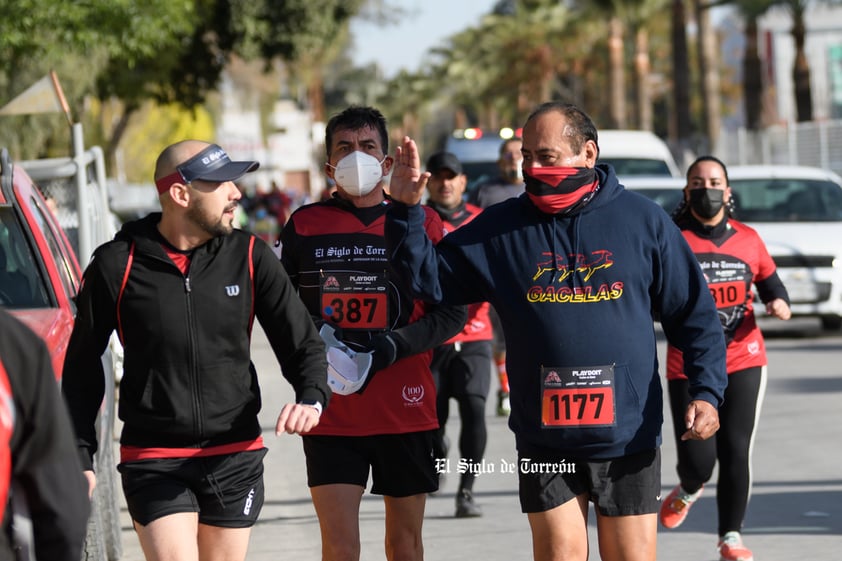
(497, 71)
(77, 39)
(161, 50)
(680, 74)
(800, 68)
(709, 78)
(310, 34)
(802, 91)
(626, 17)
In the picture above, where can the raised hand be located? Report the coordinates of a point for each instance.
(408, 183)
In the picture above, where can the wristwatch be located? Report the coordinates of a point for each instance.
(312, 403)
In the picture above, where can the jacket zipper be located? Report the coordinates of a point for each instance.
(198, 425)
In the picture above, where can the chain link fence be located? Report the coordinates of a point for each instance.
(74, 195)
(817, 144)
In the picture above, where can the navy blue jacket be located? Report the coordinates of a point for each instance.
(576, 293)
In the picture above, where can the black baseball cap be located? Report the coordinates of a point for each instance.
(444, 160)
(211, 164)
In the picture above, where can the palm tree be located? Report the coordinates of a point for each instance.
(708, 75)
(508, 64)
(751, 10)
(617, 80)
(800, 68)
(681, 75)
(634, 16)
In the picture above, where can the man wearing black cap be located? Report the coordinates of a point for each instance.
(462, 365)
(182, 288)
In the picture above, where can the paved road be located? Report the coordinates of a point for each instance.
(795, 511)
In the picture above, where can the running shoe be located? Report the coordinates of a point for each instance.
(731, 548)
(466, 507)
(675, 508)
(503, 405)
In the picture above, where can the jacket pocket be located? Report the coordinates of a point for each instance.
(230, 395)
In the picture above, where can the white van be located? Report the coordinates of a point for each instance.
(636, 153)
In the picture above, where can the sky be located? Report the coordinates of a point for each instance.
(427, 24)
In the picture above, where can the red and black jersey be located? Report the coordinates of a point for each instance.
(733, 258)
(478, 326)
(335, 253)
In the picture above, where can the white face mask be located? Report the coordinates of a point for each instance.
(358, 173)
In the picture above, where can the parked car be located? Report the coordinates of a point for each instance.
(39, 273)
(798, 213)
(635, 153)
(666, 191)
(39, 279)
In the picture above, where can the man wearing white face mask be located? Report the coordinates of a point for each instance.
(334, 252)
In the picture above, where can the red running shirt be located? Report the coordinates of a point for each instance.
(732, 263)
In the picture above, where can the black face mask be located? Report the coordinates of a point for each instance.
(706, 202)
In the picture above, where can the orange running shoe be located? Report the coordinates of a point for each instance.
(731, 548)
(675, 508)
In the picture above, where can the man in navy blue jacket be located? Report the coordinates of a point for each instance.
(577, 267)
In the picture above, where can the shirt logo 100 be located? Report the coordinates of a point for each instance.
(413, 394)
(232, 290)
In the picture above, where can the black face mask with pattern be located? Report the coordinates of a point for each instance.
(706, 202)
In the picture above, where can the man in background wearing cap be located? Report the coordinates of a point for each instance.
(335, 254)
(462, 365)
(507, 184)
(181, 288)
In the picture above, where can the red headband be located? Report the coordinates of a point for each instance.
(163, 185)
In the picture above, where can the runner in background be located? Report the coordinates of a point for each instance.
(508, 184)
(733, 258)
(462, 365)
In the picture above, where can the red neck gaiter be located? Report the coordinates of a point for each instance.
(556, 189)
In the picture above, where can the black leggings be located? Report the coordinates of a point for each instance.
(465, 376)
(473, 436)
(731, 445)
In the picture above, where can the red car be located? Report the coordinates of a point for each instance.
(39, 273)
(39, 279)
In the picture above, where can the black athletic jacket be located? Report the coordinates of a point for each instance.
(44, 465)
(188, 379)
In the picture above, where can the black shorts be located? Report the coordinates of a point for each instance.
(401, 464)
(225, 490)
(463, 372)
(618, 487)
